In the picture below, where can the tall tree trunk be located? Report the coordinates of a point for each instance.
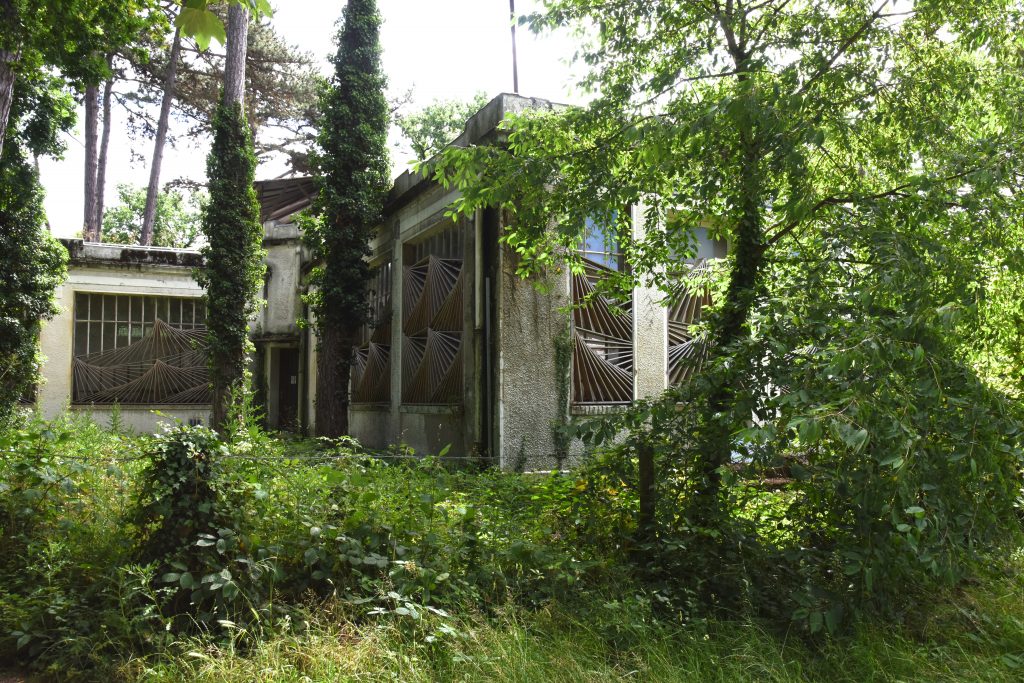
(7, 61)
(732, 324)
(92, 93)
(228, 364)
(9, 56)
(101, 169)
(149, 214)
(234, 65)
(333, 370)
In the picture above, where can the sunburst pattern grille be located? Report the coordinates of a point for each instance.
(371, 368)
(603, 331)
(166, 366)
(432, 326)
(686, 353)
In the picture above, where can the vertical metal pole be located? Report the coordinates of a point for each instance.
(515, 63)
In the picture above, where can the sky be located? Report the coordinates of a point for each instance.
(442, 49)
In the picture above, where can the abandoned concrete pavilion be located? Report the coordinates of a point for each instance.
(460, 351)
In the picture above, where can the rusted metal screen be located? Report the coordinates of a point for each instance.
(433, 322)
(371, 370)
(602, 359)
(686, 353)
(139, 350)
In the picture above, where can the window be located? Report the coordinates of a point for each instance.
(602, 329)
(686, 352)
(371, 370)
(433, 320)
(139, 350)
(601, 247)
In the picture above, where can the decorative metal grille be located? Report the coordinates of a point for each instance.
(686, 353)
(433, 289)
(371, 370)
(602, 358)
(139, 350)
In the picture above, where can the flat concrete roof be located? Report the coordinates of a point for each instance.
(284, 196)
(102, 253)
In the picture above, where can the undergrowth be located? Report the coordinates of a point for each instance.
(176, 557)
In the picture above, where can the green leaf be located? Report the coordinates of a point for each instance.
(201, 25)
(816, 621)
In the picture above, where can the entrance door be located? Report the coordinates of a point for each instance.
(288, 389)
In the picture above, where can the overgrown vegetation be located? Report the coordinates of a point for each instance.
(866, 177)
(181, 557)
(234, 266)
(33, 261)
(351, 168)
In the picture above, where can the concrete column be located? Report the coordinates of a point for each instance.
(397, 281)
(650, 331)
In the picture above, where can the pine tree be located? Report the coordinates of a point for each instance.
(352, 171)
(234, 258)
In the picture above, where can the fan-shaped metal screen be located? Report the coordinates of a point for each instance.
(432, 322)
(602, 357)
(139, 350)
(371, 369)
(685, 352)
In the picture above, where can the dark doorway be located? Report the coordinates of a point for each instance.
(288, 389)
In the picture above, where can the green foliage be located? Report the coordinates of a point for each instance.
(269, 555)
(437, 124)
(351, 166)
(233, 271)
(34, 262)
(199, 22)
(178, 220)
(71, 35)
(863, 166)
(177, 500)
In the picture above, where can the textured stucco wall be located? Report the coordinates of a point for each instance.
(529, 323)
(284, 259)
(105, 272)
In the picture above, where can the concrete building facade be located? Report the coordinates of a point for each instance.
(460, 353)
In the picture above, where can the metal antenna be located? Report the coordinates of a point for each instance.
(515, 63)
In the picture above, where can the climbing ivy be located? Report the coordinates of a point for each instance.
(34, 262)
(351, 166)
(233, 271)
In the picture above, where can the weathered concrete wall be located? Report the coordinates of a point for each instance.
(111, 269)
(533, 389)
(285, 257)
(371, 426)
(429, 429)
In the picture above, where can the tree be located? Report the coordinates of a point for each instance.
(439, 123)
(177, 220)
(170, 77)
(351, 168)
(34, 262)
(73, 36)
(862, 162)
(279, 79)
(234, 258)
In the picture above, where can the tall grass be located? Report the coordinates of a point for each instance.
(974, 635)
